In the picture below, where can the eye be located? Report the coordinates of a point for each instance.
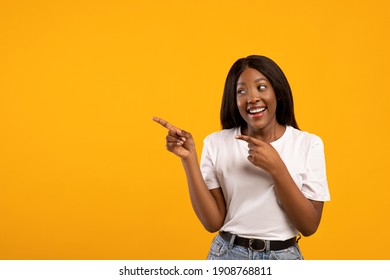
(261, 87)
(241, 91)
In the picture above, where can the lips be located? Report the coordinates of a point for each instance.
(256, 110)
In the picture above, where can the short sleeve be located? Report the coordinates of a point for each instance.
(315, 184)
(207, 165)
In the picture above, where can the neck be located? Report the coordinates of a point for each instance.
(267, 134)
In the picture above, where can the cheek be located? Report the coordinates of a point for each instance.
(241, 106)
(241, 101)
(271, 102)
(274, 104)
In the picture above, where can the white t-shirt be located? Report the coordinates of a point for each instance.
(253, 210)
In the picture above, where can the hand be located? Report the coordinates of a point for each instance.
(262, 154)
(179, 141)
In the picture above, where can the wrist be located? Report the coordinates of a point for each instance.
(190, 157)
(278, 171)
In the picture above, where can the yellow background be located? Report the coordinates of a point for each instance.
(84, 173)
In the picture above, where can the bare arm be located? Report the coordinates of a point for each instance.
(304, 214)
(209, 206)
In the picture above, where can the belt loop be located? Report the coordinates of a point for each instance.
(231, 242)
(267, 245)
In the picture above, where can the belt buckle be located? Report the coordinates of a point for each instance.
(255, 245)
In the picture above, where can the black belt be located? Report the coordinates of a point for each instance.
(258, 245)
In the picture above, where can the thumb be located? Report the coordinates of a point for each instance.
(184, 135)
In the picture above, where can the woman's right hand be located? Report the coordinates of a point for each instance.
(209, 205)
(178, 141)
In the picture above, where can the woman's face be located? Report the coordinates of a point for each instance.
(256, 100)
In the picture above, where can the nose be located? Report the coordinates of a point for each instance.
(253, 97)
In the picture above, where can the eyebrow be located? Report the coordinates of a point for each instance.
(256, 81)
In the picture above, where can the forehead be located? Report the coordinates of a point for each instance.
(250, 75)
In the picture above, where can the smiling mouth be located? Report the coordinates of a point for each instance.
(254, 111)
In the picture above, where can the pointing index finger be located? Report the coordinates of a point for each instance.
(166, 124)
(245, 138)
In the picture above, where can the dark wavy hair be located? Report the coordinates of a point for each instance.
(230, 116)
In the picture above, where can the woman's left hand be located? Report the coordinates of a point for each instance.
(262, 154)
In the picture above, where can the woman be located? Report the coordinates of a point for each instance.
(261, 181)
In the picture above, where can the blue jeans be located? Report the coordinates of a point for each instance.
(223, 250)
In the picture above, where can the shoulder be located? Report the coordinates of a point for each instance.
(219, 142)
(303, 137)
(222, 135)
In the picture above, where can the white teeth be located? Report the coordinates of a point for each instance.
(257, 110)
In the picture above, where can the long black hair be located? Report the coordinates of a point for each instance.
(230, 116)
